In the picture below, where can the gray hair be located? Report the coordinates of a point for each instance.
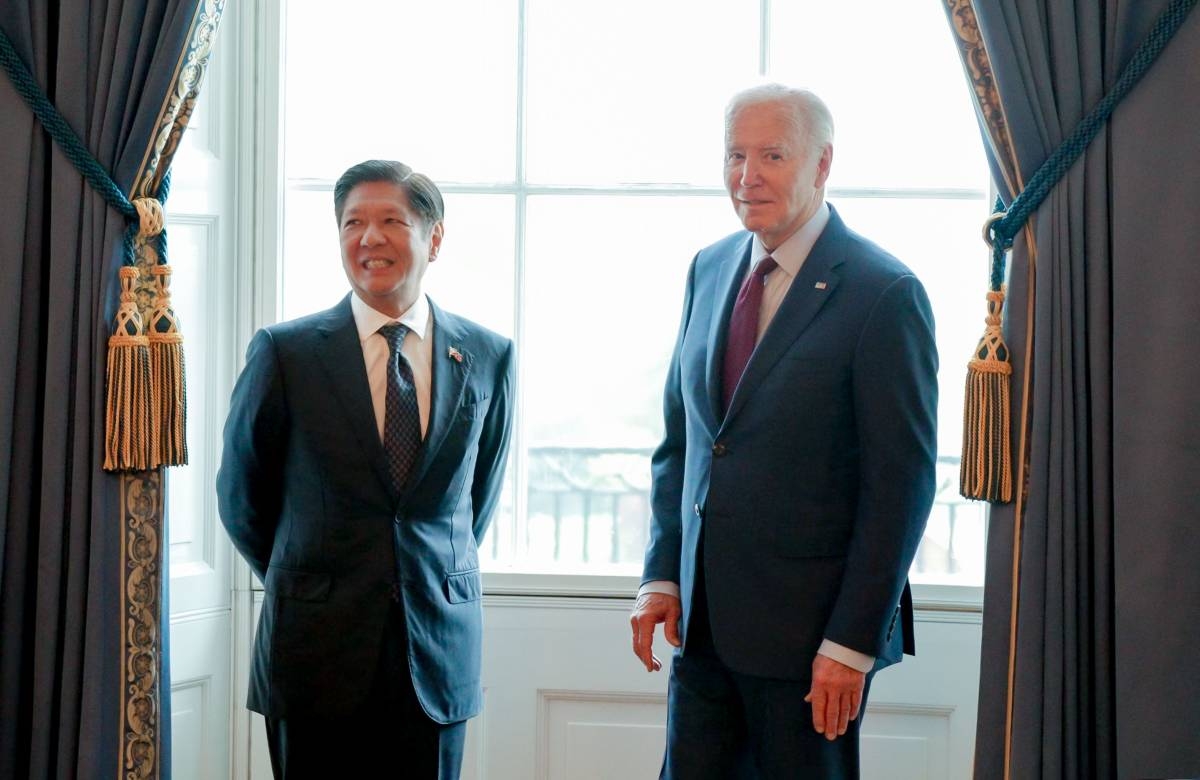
(807, 113)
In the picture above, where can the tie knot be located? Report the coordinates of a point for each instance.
(765, 266)
(394, 332)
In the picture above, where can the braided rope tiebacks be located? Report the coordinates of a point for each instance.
(145, 395)
(986, 468)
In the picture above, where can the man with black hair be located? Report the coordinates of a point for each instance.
(363, 459)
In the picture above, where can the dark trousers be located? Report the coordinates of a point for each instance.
(389, 736)
(722, 724)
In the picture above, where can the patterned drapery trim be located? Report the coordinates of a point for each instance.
(142, 511)
(987, 97)
(181, 100)
(141, 592)
(978, 67)
(173, 119)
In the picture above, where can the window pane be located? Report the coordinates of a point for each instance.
(891, 75)
(192, 276)
(474, 274)
(630, 91)
(940, 241)
(312, 261)
(601, 312)
(408, 81)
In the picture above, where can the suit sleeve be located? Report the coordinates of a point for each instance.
(895, 405)
(250, 479)
(488, 480)
(667, 466)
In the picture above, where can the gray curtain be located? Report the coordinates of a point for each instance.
(1092, 585)
(83, 690)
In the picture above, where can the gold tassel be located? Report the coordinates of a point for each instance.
(985, 472)
(127, 440)
(168, 416)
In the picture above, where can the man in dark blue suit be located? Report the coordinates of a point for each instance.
(793, 484)
(364, 456)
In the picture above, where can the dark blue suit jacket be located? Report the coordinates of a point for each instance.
(812, 492)
(304, 492)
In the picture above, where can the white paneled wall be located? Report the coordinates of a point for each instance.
(565, 699)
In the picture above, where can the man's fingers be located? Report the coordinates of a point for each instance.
(843, 715)
(855, 703)
(832, 715)
(643, 641)
(817, 698)
(671, 629)
(649, 610)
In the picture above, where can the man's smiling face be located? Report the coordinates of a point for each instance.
(386, 246)
(775, 178)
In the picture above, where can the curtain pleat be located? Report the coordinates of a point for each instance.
(1074, 680)
(82, 688)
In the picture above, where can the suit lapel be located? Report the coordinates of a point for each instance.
(340, 353)
(812, 287)
(450, 367)
(732, 271)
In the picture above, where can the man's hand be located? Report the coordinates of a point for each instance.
(650, 610)
(835, 696)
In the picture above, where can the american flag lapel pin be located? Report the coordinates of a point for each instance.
(455, 355)
(820, 285)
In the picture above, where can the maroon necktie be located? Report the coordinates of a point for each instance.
(743, 328)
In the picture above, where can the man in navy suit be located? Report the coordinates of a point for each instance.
(793, 484)
(364, 456)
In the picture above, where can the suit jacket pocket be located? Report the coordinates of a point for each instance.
(300, 585)
(797, 540)
(474, 409)
(462, 586)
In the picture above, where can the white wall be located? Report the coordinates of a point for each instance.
(565, 699)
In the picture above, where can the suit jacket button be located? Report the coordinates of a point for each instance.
(696, 509)
(719, 450)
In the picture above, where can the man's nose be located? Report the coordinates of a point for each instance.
(371, 235)
(749, 173)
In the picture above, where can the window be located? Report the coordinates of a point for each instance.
(579, 147)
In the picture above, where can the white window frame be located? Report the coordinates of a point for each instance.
(261, 188)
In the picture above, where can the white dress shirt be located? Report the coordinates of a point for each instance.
(417, 350)
(789, 256)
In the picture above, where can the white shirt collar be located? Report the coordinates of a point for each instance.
(792, 253)
(369, 320)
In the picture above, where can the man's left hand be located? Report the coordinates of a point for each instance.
(835, 696)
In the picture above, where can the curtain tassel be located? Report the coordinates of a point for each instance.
(986, 469)
(168, 415)
(127, 441)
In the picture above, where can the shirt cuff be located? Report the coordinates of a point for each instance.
(842, 654)
(659, 586)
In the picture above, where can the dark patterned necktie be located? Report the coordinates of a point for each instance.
(401, 417)
(743, 328)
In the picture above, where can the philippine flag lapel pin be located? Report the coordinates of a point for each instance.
(820, 285)
(454, 355)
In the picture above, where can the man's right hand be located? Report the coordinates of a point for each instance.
(650, 610)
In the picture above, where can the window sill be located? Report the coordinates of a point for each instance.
(926, 597)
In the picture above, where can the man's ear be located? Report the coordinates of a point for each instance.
(435, 240)
(824, 164)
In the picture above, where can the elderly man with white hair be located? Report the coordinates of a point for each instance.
(791, 489)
